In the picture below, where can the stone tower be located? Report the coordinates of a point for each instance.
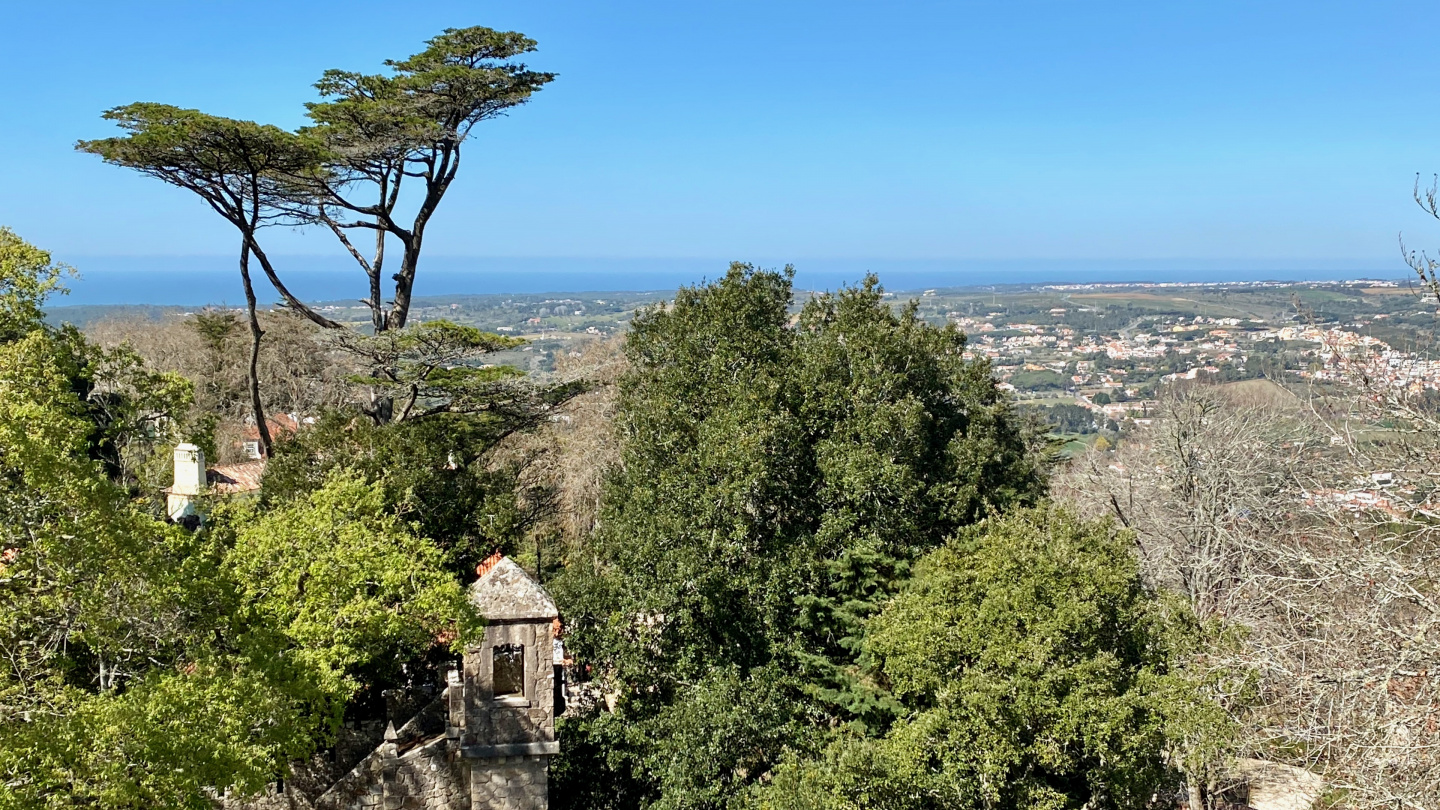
(484, 743)
(511, 694)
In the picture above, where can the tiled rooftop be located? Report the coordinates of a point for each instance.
(233, 479)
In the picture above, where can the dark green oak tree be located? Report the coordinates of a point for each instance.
(780, 475)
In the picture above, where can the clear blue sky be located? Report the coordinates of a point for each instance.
(1282, 131)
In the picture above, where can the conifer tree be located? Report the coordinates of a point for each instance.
(1035, 669)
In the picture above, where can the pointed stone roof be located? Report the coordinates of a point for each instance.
(505, 591)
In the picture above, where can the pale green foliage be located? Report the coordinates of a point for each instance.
(94, 593)
(42, 425)
(345, 581)
(145, 665)
(163, 742)
(141, 411)
(27, 278)
(117, 405)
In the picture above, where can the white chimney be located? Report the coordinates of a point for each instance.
(189, 480)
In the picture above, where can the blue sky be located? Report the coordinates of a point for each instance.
(1268, 132)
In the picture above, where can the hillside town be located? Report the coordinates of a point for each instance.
(1085, 356)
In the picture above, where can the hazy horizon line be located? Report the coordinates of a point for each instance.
(451, 257)
(207, 279)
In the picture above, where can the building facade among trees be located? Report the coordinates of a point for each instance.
(486, 742)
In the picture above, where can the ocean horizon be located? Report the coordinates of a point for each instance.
(202, 280)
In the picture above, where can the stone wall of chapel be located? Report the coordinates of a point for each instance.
(505, 721)
(429, 777)
(509, 783)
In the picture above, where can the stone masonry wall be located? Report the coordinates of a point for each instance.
(430, 777)
(469, 749)
(492, 721)
(419, 767)
(509, 783)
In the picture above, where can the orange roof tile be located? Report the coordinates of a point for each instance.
(233, 479)
(488, 563)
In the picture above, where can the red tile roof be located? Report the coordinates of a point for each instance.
(488, 563)
(233, 479)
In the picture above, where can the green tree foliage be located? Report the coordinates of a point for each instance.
(124, 407)
(1037, 671)
(244, 171)
(146, 665)
(377, 131)
(1066, 417)
(1038, 381)
(435, 367)
(345, 580)
(371, 133)
(435, 457)
(437, 473)
(27, 278)
(436, 419)
(780, 474)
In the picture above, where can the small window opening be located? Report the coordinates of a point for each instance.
(509, 670)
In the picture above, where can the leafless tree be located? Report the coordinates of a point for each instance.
(299, 372)
(1274, 518)
(571, 454)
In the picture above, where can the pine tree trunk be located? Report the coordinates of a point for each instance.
(257, 407)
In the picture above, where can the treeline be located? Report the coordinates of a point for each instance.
(826, 576)
(804, 561)
(786, 550)
(150, 666)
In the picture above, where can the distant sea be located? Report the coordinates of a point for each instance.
(200, 280)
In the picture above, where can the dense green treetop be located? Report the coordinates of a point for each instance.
(246, 172)
(379, 131)
(436, 473)
(235, 166)
(27, 278)
(1036, 670)
(779, 476)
